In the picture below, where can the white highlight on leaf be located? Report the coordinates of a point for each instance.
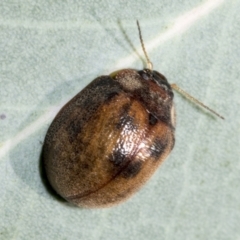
(180, 25)
(30, 129)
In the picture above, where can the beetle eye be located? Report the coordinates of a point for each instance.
(158, 76)
(146, 74)
(161, 80)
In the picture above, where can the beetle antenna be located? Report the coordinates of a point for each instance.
(191, 98)
(149, 63)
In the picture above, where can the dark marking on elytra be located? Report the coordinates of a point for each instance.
(118, 157)
(123, 116)
(152, 119)
(158, 147)
(103, 81)
(111, 95)
(132, 169)
(164, 116)
(125, 108)
(100, 90)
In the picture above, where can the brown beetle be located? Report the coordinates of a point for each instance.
(111, 137)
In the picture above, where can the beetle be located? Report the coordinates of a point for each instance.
(108, 140)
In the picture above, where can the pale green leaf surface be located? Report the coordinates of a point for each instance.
(51, 49)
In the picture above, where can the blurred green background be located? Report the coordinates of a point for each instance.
(50, 50)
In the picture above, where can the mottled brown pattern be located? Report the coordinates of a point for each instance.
(109, 139)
